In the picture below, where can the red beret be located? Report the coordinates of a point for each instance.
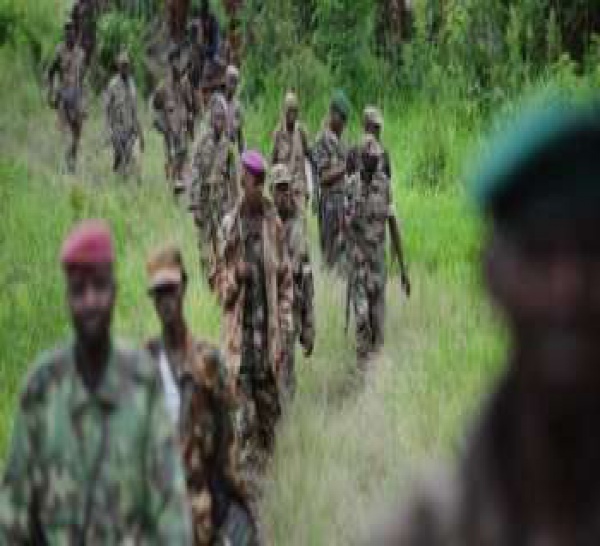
(90, 242)
(254, 162)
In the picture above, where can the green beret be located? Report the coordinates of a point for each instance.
(340, 103)
(546, 166)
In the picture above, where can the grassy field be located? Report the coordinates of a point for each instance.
(342, 453)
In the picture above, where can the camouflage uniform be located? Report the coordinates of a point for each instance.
(330, 152)
(69, 97)
(296, 243)
(257, 318)
(369, 207)
(122, 120)
(235, 123)
(98, 468)
(293, 150)
(214, 191)
(173, 107)
(217, 498)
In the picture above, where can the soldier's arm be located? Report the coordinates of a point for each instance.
(227, 283)
(167, 512)
(18, 520)
(307, 331)
(329, 172)
(274, 153)
(285, 287)
(54, 67)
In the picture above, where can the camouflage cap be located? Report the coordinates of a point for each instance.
(291, 100)
(546, 166)
(232, 73)
(280, 174)
(372, 115)
(340, 103)
(165, 268)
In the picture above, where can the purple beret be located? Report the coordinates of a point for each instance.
(254, 162)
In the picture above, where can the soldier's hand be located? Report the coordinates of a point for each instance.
(142, 144)
(405, 282)
(308, 349)
(243, 271)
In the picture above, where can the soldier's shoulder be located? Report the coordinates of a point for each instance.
(135, 363)
(49, 369)
(209, 365)
(430, 517)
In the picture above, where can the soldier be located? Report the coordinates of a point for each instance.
(330, 158)
(373, 125)
(120, 105)
(214, 182)
(173, 104)
(291, 147)
(370, 210)
(531, 471)
(193, 377)
(67, 95)
(84, 19)
(93, 457)
(255, 289)
(297, 247)
(235, 118)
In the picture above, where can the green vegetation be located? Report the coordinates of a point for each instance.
(342, 452)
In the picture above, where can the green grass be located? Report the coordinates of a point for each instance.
(342, 452)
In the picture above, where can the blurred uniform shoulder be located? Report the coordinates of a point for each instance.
(430, 517)
(134, 363)
(49, 369)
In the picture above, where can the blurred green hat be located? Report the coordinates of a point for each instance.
(546, 166)
(340, 102)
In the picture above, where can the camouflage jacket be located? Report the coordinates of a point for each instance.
(232, 293)
(215, 180)
(206, 436)
(368, 210)
(297, 246)
(235, 123)
(70, 65)
(292, 149)
(173, 105)
(329, 152)
(93, 468)
(477, 505)
(120, 106)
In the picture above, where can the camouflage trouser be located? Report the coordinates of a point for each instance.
(369, 312)
(332, 227)
(208, 218)
(123, 143)
(238, 529)
(176, 155)
(288, 374)
(71, 111)
(255, 421)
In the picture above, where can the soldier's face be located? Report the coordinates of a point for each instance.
(338, 122)
(168, 302)
(70, 37)
(231, 85)
(253, 187)
(282, 197)
(124, 70)
(373, 129)
(291, 116)
(91, 293)
(548, 285)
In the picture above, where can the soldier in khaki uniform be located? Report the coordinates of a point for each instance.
(530, 474)
(291, 147)
(67, 94)
(120, 106)
(214, 182)
(255, 289)
(373, 125)
(193, 378)
(93, 459)
(330, 156)
(369, 212)
(173, 104)
(235, 114)
(294, 228)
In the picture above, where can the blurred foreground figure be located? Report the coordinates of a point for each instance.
(531, 472)
(93, 458)
(193, 377)
(254, 285)
(66, 94)
(296, 242)
(120, 107)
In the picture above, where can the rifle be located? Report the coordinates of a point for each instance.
(397, 248)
